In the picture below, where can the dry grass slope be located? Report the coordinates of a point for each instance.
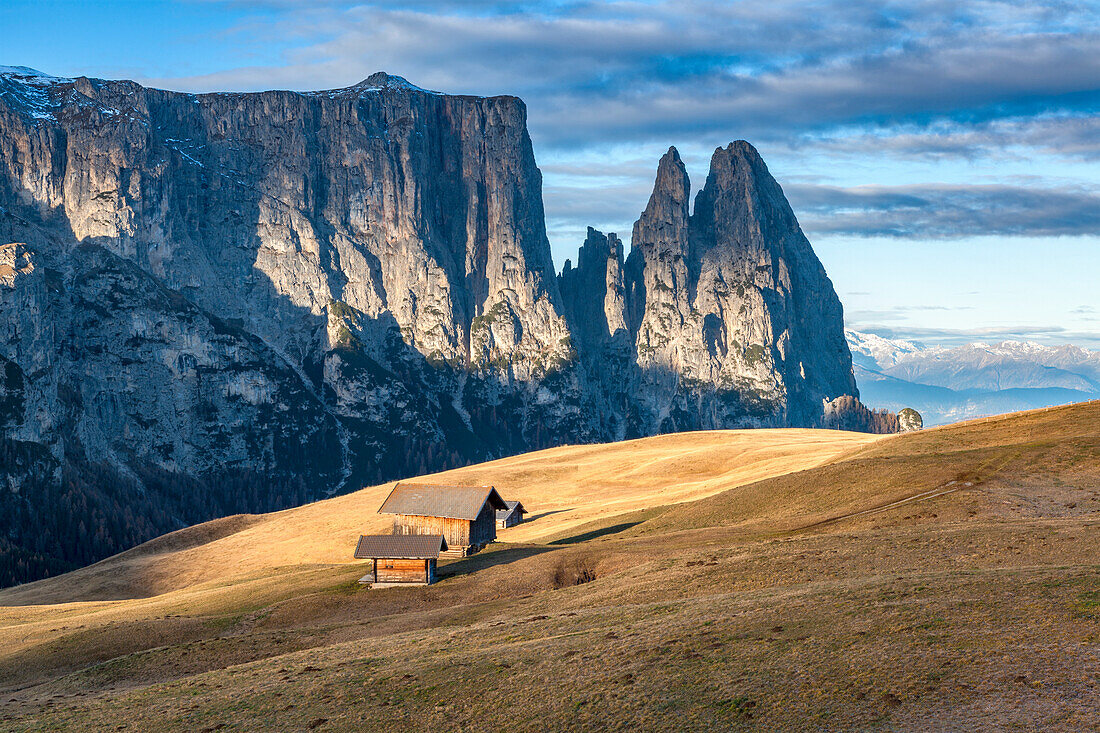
(779, 580)
(561, 487)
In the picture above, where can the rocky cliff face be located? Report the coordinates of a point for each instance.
(234, 302)
(728, 317)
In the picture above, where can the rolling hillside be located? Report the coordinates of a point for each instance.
(941, 580)
(561, 487)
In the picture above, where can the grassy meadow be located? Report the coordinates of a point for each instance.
(738, 580)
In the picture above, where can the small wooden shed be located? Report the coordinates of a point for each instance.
(464, 515)
(511, 516)
(400, 559)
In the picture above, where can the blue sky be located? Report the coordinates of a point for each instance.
(941, 156)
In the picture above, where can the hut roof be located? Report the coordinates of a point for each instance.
(400, 546)
(513, 506)
(437, 500)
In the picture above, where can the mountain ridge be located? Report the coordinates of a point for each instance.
(240, 301)
(954, 383)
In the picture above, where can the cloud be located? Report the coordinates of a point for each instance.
(581, 206)
(942, 105)
(901, 312)
(930, 211)
(957, 336)
(779, 70)
(847, 79)
(611, 198)
(1066, 135)
(1047, 334)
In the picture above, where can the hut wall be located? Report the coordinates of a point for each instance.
(456, 531)
(483, 530)
(402, 571)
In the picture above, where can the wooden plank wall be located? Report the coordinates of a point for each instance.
(483, 530)
(456, 531)
(402, 571)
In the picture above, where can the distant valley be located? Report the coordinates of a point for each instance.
(947, 384)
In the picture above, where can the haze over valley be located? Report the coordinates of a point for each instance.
(948, 384)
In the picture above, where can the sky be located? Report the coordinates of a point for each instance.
(942, 157)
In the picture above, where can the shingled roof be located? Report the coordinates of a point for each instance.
(400, 546)
(440, 500)
(513, 506)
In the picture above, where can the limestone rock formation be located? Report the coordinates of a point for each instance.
(731, 318)
(594, 301)
(235, 302)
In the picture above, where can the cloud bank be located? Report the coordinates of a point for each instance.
(779, 70)
(946, 211)
(890, 125)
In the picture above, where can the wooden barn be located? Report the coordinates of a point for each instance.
(400, 558)
(464, 515)
(511, 516)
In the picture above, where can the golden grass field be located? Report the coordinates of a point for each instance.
(561, 487)
(768, 580)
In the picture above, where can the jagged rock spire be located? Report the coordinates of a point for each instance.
(593, 292)
(733, 319)
(662, 227)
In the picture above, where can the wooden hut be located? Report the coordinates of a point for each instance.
(400, 559)
(511, 516)
(464, 515)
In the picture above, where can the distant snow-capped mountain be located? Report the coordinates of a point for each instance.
(877, 352)
(946, 384)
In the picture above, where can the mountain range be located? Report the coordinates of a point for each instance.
(946, 384)
(230, 302)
